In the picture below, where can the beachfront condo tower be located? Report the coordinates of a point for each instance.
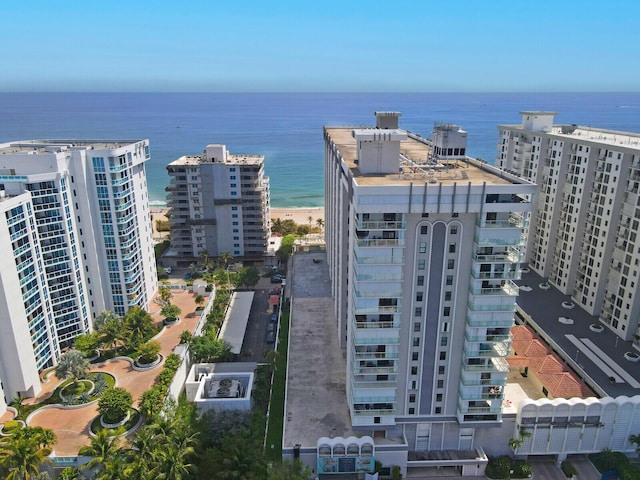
(76, 231)
(423, 244)
(583, 233)
(219, 204)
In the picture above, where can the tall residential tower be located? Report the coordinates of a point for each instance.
(219, 203)
(583, 233)
(423, 245)
(76, 232)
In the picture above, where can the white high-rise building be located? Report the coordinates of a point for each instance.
(583, 233)
(77, 233)
(219, 203)
(423, 245)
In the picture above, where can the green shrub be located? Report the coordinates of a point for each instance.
(521, 470)
(11, 425)
(629, 471)
(173, 362)
(568, 469)
(114, 404)
(498, 468)
(149, 351)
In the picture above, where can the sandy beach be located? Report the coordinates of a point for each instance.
(298, 215)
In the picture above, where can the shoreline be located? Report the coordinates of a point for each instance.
(300, 215)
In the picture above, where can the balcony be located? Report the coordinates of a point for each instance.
(510, 255)
(381, 309)
(374, 370)
(375, 355)
(503, 275)
(508, 288)
(486, 350)
(374, 412)
(464, 408)
(495, 364)
(374, 324)
(379, 260)
(380, 242)
(378, 293)
(475, 306)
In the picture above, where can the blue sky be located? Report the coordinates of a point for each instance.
(320, 46)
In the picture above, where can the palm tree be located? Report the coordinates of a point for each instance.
(143, 451)
(165, 293)
(225, 258)
(113, 332)
(103, 448)
(104, 317)
(22, 456)
(16, 403)
(276, 226)
(310, 220)
(320, 223)
(199, 300)
(139, 324)
(73, 365)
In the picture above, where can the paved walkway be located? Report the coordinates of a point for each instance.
(71, 424)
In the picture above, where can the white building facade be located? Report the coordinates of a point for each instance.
(219, 203)
(77, 220)
(423, 245)
(583, 234)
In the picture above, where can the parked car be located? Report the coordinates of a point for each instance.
(271, 337)
(167, 270)
(276, 279)
(274, 317)
(271, 327)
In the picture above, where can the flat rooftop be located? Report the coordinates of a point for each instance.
(231, 160)
(596, 356)
(54, 146)
(316, 404)
(579, 133)
(415, 167)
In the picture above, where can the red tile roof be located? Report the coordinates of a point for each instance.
(531, 351)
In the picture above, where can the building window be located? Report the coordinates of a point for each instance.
(235, 230)
(440, 384)
(441, 370)
(420, 280)
(419, 296)
(446, 311)
(451, 264)
(423, 247)
(414, 370)
(453, 230)
(235, 224)
(418, 312)
(416, 341)
(424, 229)
(414, 356)
(443, 341)
(234, 208)
(234, 215)
(438, 409)
(438, 397)
(449, 280)
(411, 412)
(447, 296)
(421, 264)
(416, 326)
(443, 355)
(412, 398)
(452, 248)
(233, 194)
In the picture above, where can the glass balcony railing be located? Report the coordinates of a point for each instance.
(495, 364)
(380, 225)
(380, 242)
(508, 288)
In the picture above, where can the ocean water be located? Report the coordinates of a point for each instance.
(286, 128)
